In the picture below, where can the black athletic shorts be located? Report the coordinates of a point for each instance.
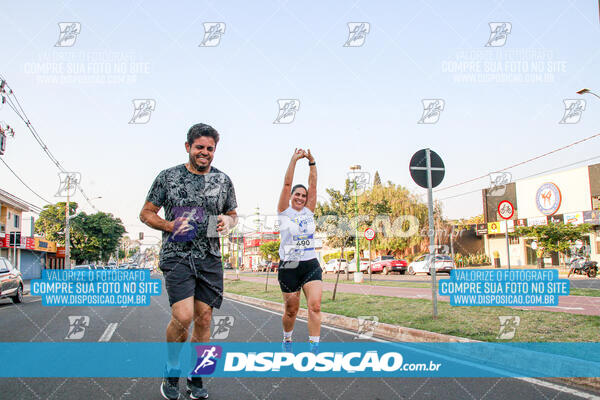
(292, 275)
(201, 278)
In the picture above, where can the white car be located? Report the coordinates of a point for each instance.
(334, 265)
(364, 265)
(442, 263)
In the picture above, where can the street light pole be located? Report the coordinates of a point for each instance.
(67, 227)
(357, 249)
(586, 90)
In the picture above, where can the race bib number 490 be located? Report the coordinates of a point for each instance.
(304, 242)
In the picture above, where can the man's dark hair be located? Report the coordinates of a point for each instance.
(299, 186)
(200, 130)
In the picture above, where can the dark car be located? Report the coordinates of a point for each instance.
(11, 283)
(227, 265)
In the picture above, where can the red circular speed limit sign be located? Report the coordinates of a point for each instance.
(505, 209)
(369, 234)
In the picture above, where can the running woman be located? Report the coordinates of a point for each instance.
(197, 198)
(299, 268)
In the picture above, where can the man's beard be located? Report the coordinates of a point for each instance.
(199, 167)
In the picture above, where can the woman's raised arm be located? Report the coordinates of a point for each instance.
(286, 191)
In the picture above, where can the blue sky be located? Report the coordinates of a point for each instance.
(358, 105)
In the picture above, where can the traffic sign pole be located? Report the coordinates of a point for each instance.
(506, 210)
(429, 176)
(370, 261)
(507, 246)
(431, 233)
(369, 235)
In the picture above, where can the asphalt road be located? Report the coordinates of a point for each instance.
(33, 322)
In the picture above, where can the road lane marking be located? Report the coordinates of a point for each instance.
(534, 381)
(110, 329)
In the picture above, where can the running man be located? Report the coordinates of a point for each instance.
(299, 267)
(197, 198)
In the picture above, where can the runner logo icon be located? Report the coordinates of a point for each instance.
(287, 111)
(213, 31)
(358, 32)
(499, 32)
(223, 324)
(574, 108)
(207, 359)
(77, 325)
(508, 327)
(68, 34)
(432, 109)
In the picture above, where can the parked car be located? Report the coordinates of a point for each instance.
(364, 265)
(441, 263)
(11, 282)
(84, 267)
(387, 264)
(273, 266)
(227, 265)
(335, 265)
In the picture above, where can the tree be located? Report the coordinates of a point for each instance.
(376, 179)
(270, 249)
(464, 222)
(398, 217)
(334, 217)
(51, 222)
(95, 236)
(554, 237)
(392, 211)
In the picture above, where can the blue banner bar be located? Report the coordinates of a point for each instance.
(355, 359)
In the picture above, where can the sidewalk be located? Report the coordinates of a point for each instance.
(568, 304)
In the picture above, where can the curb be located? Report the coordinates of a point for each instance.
(382, 330)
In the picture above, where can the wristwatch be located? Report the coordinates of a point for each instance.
(312, 163)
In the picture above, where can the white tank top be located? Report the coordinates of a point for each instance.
(297, 229)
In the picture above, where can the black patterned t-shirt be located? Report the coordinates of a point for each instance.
(197, 200)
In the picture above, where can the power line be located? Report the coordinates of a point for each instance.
(521, 163)
(21, 114)
(526, 177)
(26, 185)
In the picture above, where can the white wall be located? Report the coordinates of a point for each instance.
(498, 243)
(574, 186)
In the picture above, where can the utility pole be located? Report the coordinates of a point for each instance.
(67, 227)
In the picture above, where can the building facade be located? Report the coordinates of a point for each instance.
(569, 197)
(31, 254)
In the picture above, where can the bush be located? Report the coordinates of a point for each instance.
(471, 259)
